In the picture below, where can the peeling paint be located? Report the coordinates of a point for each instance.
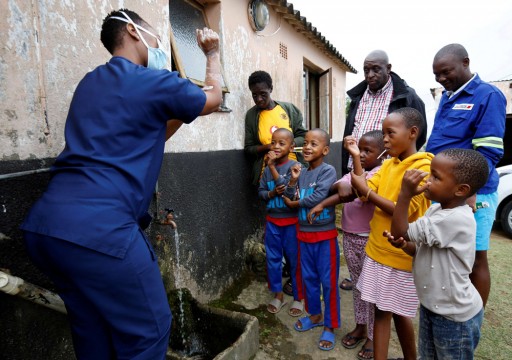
(11, 115)
(18, 34)
(10, 157)
(13, 135)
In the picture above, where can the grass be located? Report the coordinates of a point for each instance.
(496, 338)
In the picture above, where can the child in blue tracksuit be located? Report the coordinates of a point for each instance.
(281, 224)
(319, 250)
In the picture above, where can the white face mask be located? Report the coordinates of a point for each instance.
(157, 57)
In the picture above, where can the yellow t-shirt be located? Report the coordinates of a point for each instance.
(386, 183)
(271, 120)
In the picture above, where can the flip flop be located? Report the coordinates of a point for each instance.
(356, 339)
(344, 286)
(365, 350)
(296, 305)
(277, 304)
(327, 336)
(307, 324)
(287, 288)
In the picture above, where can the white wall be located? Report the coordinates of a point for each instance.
(48, 46)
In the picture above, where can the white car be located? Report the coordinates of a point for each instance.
(504, 212)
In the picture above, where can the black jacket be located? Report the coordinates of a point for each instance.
(403, 96)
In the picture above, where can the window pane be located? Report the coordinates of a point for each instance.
(185, 19)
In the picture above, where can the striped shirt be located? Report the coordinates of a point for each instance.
(372, 110)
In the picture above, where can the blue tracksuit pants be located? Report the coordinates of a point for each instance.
(320, 267)
(281, 240)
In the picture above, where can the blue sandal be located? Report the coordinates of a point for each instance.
(327, 336)
(307, 324)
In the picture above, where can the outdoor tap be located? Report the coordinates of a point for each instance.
(169, 218)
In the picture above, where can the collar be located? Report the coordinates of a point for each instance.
(399, 87)
(450, 94)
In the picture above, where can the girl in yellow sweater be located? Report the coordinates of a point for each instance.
(386, 279)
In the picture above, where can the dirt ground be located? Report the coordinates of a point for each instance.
(279, 340)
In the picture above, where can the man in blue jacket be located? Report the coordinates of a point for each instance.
(471, 115)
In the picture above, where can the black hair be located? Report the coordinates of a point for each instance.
(412, 117)
(287, 131)
(260, 76)
(324, 134)
(112, 29)
(470, 167)
(377, 136)
(456, 50)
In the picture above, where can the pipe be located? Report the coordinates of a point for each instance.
(23, 173)
(14, 285)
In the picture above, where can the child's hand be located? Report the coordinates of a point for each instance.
(410, 182)
(398, 243)
(314, 213)
(271, 158)
(290, 203)
(265, 159)
(471, 201)
(350, 144)
(345, 192)
(295, 171)
(279, 190)
(359, 183)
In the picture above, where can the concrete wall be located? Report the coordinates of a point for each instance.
(47, 47)
(506, 88)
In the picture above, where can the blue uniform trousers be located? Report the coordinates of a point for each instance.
(320, 265)
(118, 308)
(281, 240)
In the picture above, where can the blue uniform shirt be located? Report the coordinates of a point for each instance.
(102, 182)
(472, 119)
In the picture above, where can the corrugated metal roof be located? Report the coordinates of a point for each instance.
(300, 24)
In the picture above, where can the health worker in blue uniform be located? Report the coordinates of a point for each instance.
(86, 231)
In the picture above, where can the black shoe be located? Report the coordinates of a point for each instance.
(287, 288)
(346, 284)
